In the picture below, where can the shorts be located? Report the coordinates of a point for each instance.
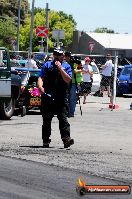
(85, 87)
(105, 81)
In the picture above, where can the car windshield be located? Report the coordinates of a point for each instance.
(25, 76)
(40, 57)
(126, 71)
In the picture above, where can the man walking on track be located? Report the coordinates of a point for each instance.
(53, 84)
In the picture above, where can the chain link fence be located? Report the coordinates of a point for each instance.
(113, 81)
(19, 59)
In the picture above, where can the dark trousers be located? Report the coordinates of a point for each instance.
(48, 112)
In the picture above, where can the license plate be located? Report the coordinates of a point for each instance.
(35, 101)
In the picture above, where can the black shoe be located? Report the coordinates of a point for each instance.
(68, 142)
(71, 115)
(46, 143)
(101, 95)
(97, 93)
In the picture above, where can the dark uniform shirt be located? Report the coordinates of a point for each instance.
(54, 84)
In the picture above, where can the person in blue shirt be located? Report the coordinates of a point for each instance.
(53, 84)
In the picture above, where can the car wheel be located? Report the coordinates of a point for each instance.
(119, 95)
(7, 108)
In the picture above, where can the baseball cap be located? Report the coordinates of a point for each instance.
(58, 51)
(87, 59)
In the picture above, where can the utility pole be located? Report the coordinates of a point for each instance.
(18, 23)
(31, 29)
(47, 24)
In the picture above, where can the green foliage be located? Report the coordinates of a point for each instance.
(7, 33)
(8, 24)
(9, 8)
(104, 30)
(57, 20)
(8, 20)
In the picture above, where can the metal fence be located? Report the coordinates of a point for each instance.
(19, 59)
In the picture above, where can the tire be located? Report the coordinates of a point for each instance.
(7, 108)
(119, 95)
(23, 111)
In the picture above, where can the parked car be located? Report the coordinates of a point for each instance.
(30, 96)
(96, 79)
(9, 86)
(39, 58)
(18, 59)
(123, 82)
(119, 69)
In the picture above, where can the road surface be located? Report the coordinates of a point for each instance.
(103, 140)
(29, 180)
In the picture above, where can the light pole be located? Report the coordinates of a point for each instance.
(31, 29)
(47, 24)
(18, 23)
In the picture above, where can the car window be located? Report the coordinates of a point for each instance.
(35, 73)
(130, 75)
(95, 70)
(40, 57)
(25, 75)
(15, 64)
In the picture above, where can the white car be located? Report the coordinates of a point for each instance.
(96, 78)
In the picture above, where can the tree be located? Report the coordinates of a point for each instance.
(103, 30)
(57, 20)
(9, 8)
(9, 14)
(8, 20)
(7, 33)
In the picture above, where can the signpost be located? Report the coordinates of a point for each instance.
(31, 31)
(57, 35)
(42, 31)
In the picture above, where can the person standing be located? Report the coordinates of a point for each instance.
(53, 84)
(31, 63)
(106, 76)
(76, 79)
(87, 73)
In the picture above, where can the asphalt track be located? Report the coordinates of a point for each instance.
(103, 140)
(21, 179)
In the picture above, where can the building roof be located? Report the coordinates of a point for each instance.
(113, 41)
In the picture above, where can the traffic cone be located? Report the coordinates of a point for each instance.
(111, 105)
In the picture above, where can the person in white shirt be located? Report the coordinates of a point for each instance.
(106, 75)
(87, 81)
(31, 63)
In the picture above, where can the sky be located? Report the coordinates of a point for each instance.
(92, 14)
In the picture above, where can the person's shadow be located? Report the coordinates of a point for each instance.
(33, 146)
(41, 146)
